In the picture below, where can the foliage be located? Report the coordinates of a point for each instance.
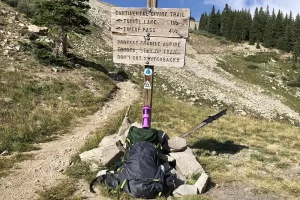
(270, 29)
(65, 15)
(64, 190)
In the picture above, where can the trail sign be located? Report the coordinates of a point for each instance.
(161, 22)
(168, 52)
(149, 36)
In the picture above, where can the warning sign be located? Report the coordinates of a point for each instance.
(147, 85)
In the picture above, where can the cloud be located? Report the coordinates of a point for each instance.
(284, 5)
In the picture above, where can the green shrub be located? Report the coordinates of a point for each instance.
(27, 7)
(253, 67)
(294, 83)
(13, 3)
(261, 57)
(294, 66)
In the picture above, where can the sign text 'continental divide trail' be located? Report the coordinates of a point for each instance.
(162, 22)
(157, 51)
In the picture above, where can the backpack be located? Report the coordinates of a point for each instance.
(141, 175)
(141, 134)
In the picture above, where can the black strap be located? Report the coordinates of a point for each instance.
(97, 179)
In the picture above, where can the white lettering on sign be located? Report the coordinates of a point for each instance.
(156, 51)
(162, 22)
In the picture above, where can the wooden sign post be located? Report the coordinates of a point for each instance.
(148, 83)
(151, 37)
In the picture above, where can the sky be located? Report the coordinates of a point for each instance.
(199, 6)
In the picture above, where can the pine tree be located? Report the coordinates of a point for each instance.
(218, 20)
(227, 22)
(279, 30)
(255, 28)
(203, 21)
(269, 31)
(296, 39)
(66, 15)
(213, 22)
(288, 35)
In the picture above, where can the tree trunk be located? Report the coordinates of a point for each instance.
(64, 40)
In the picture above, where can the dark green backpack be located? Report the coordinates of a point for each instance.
(141, 134)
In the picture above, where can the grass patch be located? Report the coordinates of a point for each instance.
(64, 190)
(280, 73)
(261, 57)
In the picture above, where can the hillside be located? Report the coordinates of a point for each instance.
(59, 111)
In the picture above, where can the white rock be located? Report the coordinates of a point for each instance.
(36, 29)
(186, 163)
(177, 144)
(91, 156)
(4, 153)
(6, 52)
(185, 190)
(201, 183)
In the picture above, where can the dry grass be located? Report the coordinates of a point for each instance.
(65, 190)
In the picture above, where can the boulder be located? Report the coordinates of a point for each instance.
(37, 29)
(186, 163)
(185, 190)
(177, 144)
(109, 140)
(109, 154)
(91, 156)
(201, 183)
(104, 155)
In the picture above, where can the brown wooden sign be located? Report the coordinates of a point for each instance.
(155, 51)
(158, 22)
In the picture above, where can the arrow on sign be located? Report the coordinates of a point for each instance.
(119, 20)
(118, 28)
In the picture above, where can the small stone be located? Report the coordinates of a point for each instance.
(201, 183)
(185, 190)
(5, 153)
(55, 70)
(6, 52)
(7, 100)
(177, 144)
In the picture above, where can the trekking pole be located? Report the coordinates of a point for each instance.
(209, 120)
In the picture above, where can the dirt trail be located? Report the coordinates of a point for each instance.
(54, 157)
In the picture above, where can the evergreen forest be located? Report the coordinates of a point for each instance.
(269, 28)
